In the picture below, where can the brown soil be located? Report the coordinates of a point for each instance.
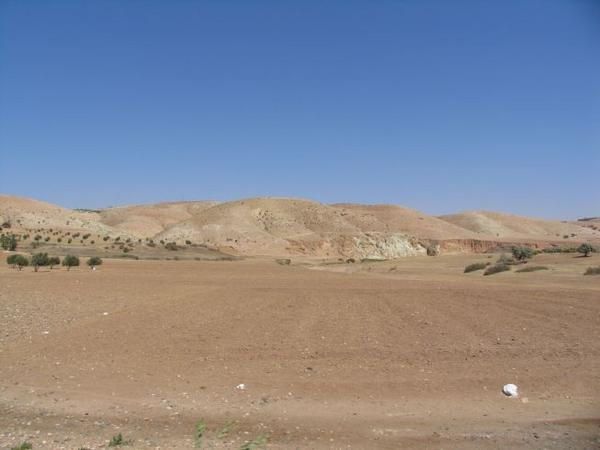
(405, 354)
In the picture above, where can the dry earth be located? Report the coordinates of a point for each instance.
(409, 353)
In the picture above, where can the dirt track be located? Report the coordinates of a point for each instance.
(347, 357)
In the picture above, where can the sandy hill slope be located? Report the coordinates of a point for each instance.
(392, 218)
(288, 226)
(150, 220)
(508, 226)
(265, 226)
(25, 213)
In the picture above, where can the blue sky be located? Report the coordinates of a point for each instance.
(437, 105)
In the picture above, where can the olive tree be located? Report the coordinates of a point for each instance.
(70, 261)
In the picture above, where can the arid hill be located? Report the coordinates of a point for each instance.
(508, 226)
(286, 226)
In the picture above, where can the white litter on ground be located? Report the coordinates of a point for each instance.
(510, 390)
(241, 386)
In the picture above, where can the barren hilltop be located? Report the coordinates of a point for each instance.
(281, 227)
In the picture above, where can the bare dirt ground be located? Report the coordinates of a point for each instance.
(405, 354)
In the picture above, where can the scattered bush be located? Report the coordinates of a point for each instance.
(283, 261)
(592, 271)
(69, 241)
(118, 441)
(70, 261)
(188, 242)
(199, 433)
(23, 446)
(433, 250)
(506, 260)
(476, 266)
(39, 259)
(8, 242)
(171, 246)
(350, 261)
(53, 261)
(531, 269)
(18, 261)
(6, 224)
(94, 261)
(496, 268)
(585, 249)
(522, 253)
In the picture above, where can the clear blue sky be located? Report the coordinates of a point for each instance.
(437, 105)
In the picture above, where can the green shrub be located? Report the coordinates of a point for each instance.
(23, 446)
(585, 249)
(171, 246)
(118, 441)
(531, 269)
(283, 261)
(522, 253)
(70, 261)
(20, 261)
(476, 266)
(592, 271)
(496, 268)
(8, 242)
(188, 242)
(94, 261)
(10, 260)
(199, 433)
(53, 261)
(39, 259)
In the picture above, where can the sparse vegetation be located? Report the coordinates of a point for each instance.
(8, 242)
(506, 260)
(585, 249)
(256, 443)
(531, 269)
(592, 271)
(94, 261)
(496, 268)
(522, 253)
(476, 266)
(53, 261)
(283, 261)
(171, 246)
(70, 261)
(23, 446)
(118, 441)
(39, 259)
(18, 261)
(199, 433)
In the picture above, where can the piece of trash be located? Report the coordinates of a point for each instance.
(510, 390)
(241, 386)
(105, 314)
(45, 332)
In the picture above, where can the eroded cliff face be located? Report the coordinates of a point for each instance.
(359, 246)
(484, 246)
